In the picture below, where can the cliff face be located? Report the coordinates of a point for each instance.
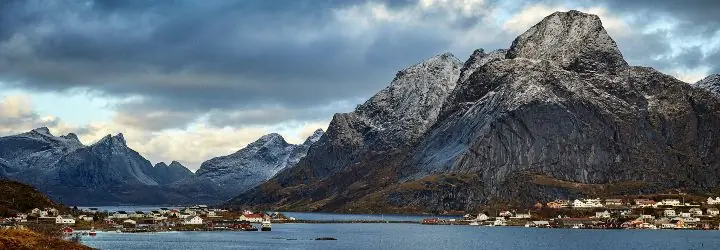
(559, 114)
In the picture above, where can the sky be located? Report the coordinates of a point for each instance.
(191, 80)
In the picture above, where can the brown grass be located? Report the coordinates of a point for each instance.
(25, 239)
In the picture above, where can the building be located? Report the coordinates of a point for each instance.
(644, 202)
(195, 220)
(586, 203)
(482, 217)
(669, 202)
(251, 217)
(64, 219)
(711, 201)
(120, 215)
(713, 211)
(603, 214)
(696, 211)
(505, 214)
(521, 216)
(130, 222)
(614, 202)
(685, 214)
(500, 221)
(669, 213)
(137, 214)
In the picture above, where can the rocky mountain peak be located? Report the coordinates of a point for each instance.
(111, 140)
(71, 136)
(710, 83)
(42, 131)
(575, 40)
(477, 60)
(314, 137)
(175, 164)
(161, 165)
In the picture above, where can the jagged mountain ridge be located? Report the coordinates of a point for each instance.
(255, 163)
(710, 83)
(560, 115)
(166, 174)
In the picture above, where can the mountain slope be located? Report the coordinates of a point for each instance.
(254, 164)
(710, 83)
(16, 197)
(562, 110)
(166, 174)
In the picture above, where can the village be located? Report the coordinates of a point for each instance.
(596, 213)
(194, 218)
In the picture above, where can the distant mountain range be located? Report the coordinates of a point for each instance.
(109, 172)
(560, 114)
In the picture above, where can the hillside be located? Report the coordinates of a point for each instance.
(17, 197)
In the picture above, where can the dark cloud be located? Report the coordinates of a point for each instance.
(229, 59)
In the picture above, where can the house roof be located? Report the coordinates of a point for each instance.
(253, 215)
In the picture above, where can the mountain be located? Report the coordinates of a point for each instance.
(104, 173)
(254, 164)
(164, 174)
(710, 83)
(560, 115)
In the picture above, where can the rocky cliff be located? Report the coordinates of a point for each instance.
(561, 114)
(710, 83)
(166, 174)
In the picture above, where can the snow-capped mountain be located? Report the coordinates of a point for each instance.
(559, 114)
(710, 83)
(254, 164)
(106, 172)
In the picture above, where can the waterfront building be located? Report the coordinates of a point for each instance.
(251, 217)
(614, 202)
(195, 220)
(713, 211)
(603, 214)
(64, 219)
(482, 217)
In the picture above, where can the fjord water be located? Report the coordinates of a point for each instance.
(410, 236)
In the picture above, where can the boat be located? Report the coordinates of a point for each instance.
(92, 232)
(266, 226)
(474, 223)
(575, 227)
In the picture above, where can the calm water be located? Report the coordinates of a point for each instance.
(411, 236)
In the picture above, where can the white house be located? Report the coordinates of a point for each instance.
(130, 221)
(137, 214)
(603, 214)
(500, 221)
(120, 215)
(257, 218)
(685, 215)
(505, 214)
(669, 213)
(670, 202)
(184, 215)
(713, 211)
(482, 217)
(521, 216)
(195, 220)
(35, 211)
(696, 211)
(586, 203)
(711, 201)
(64, 220)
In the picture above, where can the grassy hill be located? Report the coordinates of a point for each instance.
(17, 197)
